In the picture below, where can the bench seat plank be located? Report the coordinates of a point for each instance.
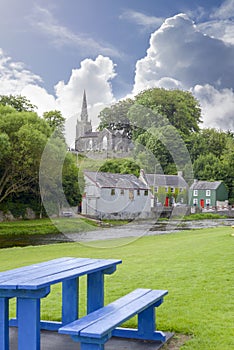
(104, 325)
(75, 327)
(101, 323)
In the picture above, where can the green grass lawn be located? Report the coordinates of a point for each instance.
(196, 267)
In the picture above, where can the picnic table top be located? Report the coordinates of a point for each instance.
(44, 274)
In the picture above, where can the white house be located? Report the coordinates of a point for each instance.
(115, 196)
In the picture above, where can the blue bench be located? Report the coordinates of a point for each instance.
(94, 329)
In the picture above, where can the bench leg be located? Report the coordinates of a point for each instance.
(4, 327)
(146, 322)
(86, 346)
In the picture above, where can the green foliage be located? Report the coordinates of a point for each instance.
(19, 103)
(23, 137)
(70, 181)
(121, 166)
(179, 107)
(56, 121)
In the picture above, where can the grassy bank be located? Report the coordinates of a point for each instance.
(195, 266)
(46, 226)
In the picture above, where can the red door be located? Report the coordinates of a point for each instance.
(202, 203)
(167, 202)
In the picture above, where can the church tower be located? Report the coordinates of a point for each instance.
(83, 126)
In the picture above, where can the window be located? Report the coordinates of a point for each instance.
(172, 190)
(112, 191)
(207, 193)
(156, 189)
(166, 189)
(138, 192)
(195, 201)
(122, 192)
(181, 189)
(195, 192)
(207, 201)
(131, 195)
(146, 193)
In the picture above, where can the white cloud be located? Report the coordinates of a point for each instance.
(181, 56)
(93, 75)
(226, 10)
(217, 106)
(141, 19)
(14, 76)
(220, 24)
(43, 21)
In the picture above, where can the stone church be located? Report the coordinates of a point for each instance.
(106, 140)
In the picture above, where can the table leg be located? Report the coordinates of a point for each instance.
(95, 291)
(28, 323)
(4, 327)
(70, 290)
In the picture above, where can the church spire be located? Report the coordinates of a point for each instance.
(84, 110)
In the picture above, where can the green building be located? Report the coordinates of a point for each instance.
(208, 194)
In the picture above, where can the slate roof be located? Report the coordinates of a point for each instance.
(90, 134)
(110, 180)
(165, 180)
(205, 185)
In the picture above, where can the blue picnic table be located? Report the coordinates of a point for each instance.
(31, 283)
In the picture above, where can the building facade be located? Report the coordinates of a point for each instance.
(208, 194)
(168, 190)
(115, 196)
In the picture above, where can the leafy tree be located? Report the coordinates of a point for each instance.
(71, 185)
(56, 121)
(19, 103)
(207, 141)
(115, 117)
(180, 107)
(121, 166)
(23, 136)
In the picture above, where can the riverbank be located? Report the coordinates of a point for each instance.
(42, 232)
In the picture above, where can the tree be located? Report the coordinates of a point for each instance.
(23, 136)
(19, 103)
(116, 117)
(180, 107)
(56, 121)
(121, 166)
(207, 141)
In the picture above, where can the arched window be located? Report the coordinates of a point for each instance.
(104, 143)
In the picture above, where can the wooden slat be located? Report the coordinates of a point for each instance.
(41, 271)
(75, 327)
(106, 324)
(42, 274)
(96, 265)
(10, 274)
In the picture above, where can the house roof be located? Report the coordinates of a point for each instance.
(165, 180)
(111, 180)
(205, 185)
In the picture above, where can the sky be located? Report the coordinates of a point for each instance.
(50, 51)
